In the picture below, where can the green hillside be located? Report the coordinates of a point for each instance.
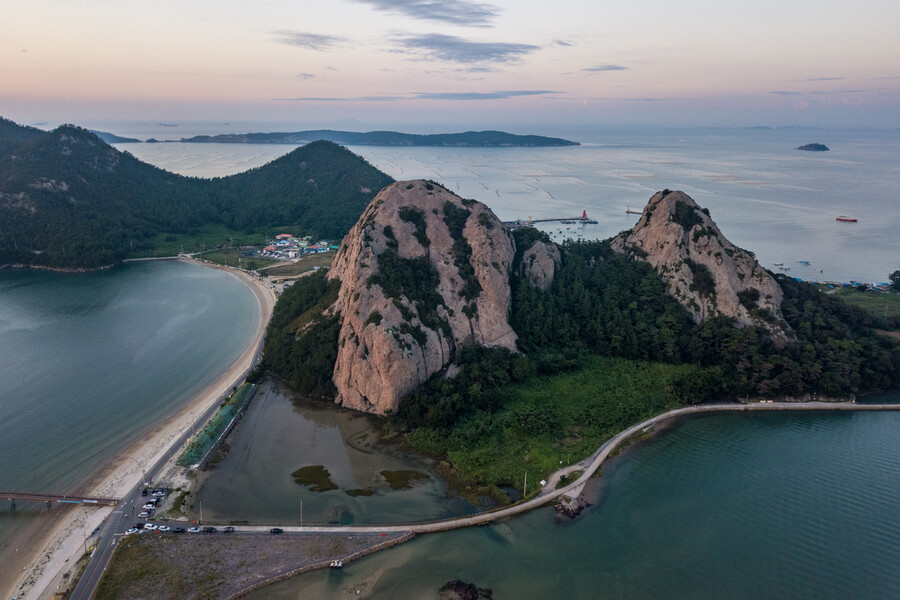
(69, 200)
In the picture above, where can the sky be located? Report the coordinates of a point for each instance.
(444, 65)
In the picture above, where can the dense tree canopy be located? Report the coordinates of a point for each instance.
(67, 199)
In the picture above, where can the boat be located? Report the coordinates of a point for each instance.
(778, 264)
(846, 219)
(628, 211)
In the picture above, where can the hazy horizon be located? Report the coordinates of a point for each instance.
(416, 64)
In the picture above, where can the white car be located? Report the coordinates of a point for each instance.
(131, 530)
(143, 515)
(148, 506)
(193, 530)
(164, 528)
(150, 527)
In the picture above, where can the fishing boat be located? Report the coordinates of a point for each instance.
(628, 211)
(846, 219)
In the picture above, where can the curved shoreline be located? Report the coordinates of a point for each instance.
(61, 543)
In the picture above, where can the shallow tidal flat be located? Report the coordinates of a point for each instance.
(189, 566)
(283, 453)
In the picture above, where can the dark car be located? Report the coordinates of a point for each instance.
(228, 529)
(144, 492)
(138, 525)
(178, 530)
(209, 530)
(276, 530)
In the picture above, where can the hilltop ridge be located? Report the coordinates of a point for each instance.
(70, 200)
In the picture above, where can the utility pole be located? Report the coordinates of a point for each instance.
(301, 513)
(525, 487)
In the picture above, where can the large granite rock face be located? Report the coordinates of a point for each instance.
(540, 263)
(422, 272)
(708, 274)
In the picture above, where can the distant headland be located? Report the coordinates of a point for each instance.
(477, 139)
(814, 147)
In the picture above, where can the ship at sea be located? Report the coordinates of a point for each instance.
(846, 219)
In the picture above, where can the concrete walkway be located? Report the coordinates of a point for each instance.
(589, 465)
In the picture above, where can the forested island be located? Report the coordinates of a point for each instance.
(68, 200)
(589, 338)
(475, 139)
(815, 147)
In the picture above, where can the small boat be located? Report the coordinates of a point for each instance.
(628, 211)
(846, 219)
(804, 262)
(778, 264)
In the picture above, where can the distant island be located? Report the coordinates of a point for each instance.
(475, 139)
(814, 148)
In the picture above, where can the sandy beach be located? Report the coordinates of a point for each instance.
(44, 554)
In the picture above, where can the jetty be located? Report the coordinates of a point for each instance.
(583, 220)
(51, 498)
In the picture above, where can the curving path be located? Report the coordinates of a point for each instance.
(588, 465)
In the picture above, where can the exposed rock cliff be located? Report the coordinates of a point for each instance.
(703, 270)
(422, 272)
(540, 263)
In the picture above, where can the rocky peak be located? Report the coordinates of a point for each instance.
(708, 274)
(421, 272)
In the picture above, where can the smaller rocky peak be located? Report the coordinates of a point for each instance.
(537, 258)
(708, 274)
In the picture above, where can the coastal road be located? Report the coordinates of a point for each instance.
(122, 517)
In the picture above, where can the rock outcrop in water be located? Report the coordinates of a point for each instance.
(708, 274)
(422, 272)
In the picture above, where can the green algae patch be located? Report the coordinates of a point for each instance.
(403, 480)
(316, 476)
(361, 492)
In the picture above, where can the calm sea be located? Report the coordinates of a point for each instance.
(89, 362)
(767, 197)
(775, 506)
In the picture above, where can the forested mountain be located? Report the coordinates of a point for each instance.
(12, 135)
(481, 139)
(69, 200)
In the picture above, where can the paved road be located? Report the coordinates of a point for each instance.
(116, 525)
(122, 518)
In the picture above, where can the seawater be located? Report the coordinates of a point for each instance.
(766, 197)
(253, 482)
(792, 506)
(90, 361)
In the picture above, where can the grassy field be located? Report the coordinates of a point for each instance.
(878, 303)
(551, 422)
(204, 238)
(298, 267)
(231, 257)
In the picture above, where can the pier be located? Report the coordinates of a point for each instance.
(50, 498)
(583, 219)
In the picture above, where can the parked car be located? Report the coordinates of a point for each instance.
(209, 530)
(228, 529)
(276, 530)
(144, 515)
(193, 530)
(131, 530)
(164, 528)
(150, 527)
(179, 530)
